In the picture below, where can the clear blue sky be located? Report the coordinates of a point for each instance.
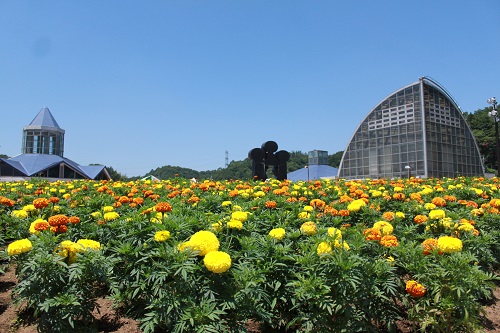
(142, 84)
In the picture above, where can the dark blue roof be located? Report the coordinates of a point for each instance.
(314, 171)
(32, 164)
(44, 118)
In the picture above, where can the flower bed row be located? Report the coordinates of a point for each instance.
(325, 256)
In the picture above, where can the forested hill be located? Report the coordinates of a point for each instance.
(235, 169)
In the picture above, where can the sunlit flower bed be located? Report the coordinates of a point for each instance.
(323, 256)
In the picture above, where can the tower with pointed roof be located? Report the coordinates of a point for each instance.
(43, 135)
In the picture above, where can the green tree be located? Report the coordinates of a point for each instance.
(483, 128)
(334, 160)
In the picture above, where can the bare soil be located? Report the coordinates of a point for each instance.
(109, 320)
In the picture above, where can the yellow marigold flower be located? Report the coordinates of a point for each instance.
(19, 246)
(477, 212)
(162, 235)
(400, 215)
(226, 203)
(96, 215)
(448, 244)
(108, 209)
(202, 242)
(20, 214)
(415, 289)
(385, 227)
(89, 244)
(304, 215)
(217, 261)
(29, 208)
(429, 206)
(398, 189)
(389, 241)
(375, 193)
(110, 216)
(339, 245)
(259, 194)
(235, 224)
(308, 228)
(355, 206)
(308, 208)
(277, 233)
(217, 226)
(236, 208)
(466, 227)
(437, 214)
(324, 248)
(334, 232)
(239, 216)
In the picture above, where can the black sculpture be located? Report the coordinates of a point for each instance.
(266, 156)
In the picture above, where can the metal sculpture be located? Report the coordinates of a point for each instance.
(268, 155)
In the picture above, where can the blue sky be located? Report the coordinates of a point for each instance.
(142, 84)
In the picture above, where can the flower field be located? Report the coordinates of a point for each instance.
(323, 256)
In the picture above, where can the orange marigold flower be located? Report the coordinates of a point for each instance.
(124, 199)
(291, 199)
(54, 200)
(7, 202)
(416, 196)
(472, 204)
(138, 201)
(399, 196)
(372, 234)
(163, 207)
(344, 212)
(60, 229)
(388, 216)
(429, 245)
(74, 219)
(40, 203)
(117, 204)
(438, 201)
(58, 220)
(193, 199)
(415, 289)
(450, 198)
(270, 204)
(389, 241)
(41, 226)
(317, 203)
(420, 219)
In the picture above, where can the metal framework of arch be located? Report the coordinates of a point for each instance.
(418, 130)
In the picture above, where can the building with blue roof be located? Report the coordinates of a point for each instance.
(42, 154)
(317, 168)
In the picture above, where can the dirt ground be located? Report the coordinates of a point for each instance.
(14, 320)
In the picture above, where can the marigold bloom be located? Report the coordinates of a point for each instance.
(420, 219)
(437, 214)
(356, 205)
(58, 220)
(344, 212)
(448, 244)
(308, 228)
(162, 235)
(54, 200)
(324, 248)
(203, 242)
(74, 219)
(235, 224)
(399, 196)
(110, 216)
(385, 227)
(338, 244)
(317, 203)
(388, 216)
(226, 203)
(7, 202)
(466, 227)
(415, 289)
(19, 246)
(39, 225)
(389, 241)
(217, 261)
(477, 212)
(335, 233)
(40, 203)
(270, 204)
(138, 201)
(304, 215)
(439, 202)
(89, 244)
(372, 234)
(20, 214)
(429, 245)
(239, 216)
(163, 207)
(277, 233)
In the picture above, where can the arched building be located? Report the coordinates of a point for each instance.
(42, 154)
(418, 130)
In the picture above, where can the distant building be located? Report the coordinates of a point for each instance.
(419, 131)
(42, 154)
(317, 168)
